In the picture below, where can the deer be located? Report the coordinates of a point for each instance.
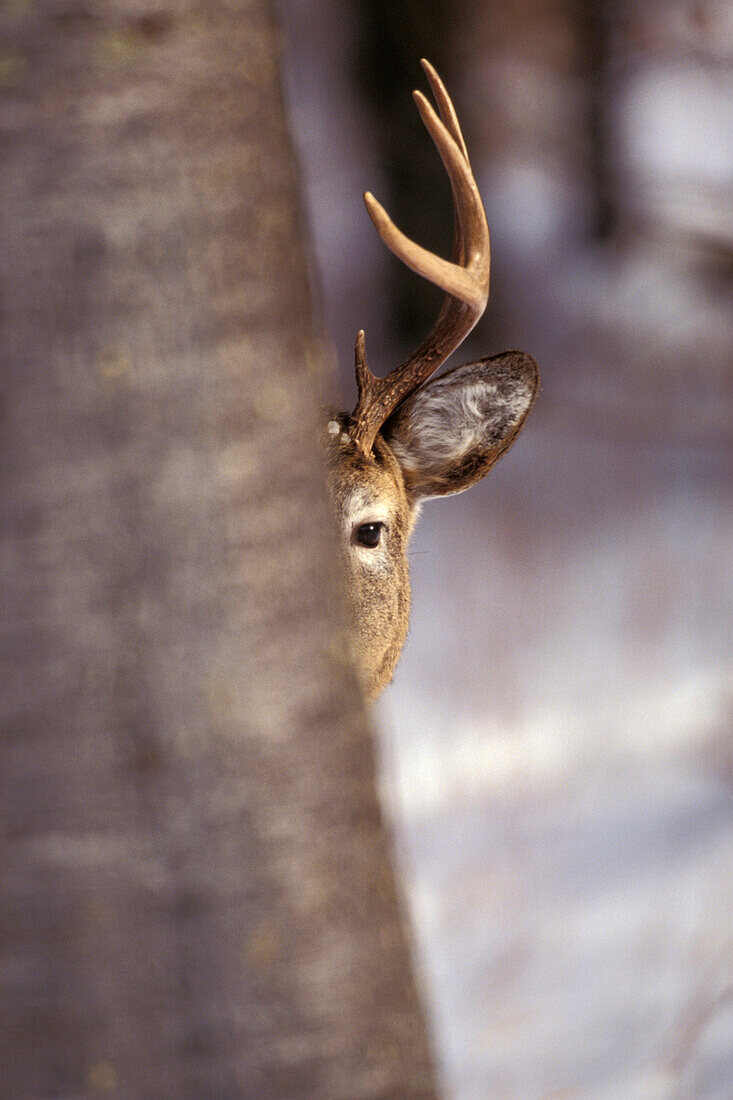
(413, 436)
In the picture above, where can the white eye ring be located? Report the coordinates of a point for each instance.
(368, 535)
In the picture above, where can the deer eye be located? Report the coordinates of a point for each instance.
(368, 534)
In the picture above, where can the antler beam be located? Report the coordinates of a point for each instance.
(465, 279)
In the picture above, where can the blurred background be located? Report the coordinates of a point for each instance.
(556, 748)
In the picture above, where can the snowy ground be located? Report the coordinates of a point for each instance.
(559, 763)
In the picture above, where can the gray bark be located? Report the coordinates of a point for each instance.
(196, 894)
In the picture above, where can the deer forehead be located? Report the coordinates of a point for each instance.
(370, 486)
(367, 494)
(370, 504)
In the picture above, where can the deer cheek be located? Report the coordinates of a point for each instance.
(380, 601)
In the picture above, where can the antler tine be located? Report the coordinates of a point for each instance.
(450, 118)
(445, 106)
(465, 280)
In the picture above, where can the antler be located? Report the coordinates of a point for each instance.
(465, 280)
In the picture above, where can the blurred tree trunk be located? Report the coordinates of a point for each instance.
(196, 897)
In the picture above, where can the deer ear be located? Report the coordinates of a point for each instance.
(450, 433)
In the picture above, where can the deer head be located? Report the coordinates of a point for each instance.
(409, 438)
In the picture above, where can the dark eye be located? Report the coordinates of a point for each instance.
(368, 534)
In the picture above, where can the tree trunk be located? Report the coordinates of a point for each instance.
(196, 895)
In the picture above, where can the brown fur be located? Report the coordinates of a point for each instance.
(440, 441)
(378, 582)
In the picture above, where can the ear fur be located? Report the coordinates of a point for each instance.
(450, 433)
